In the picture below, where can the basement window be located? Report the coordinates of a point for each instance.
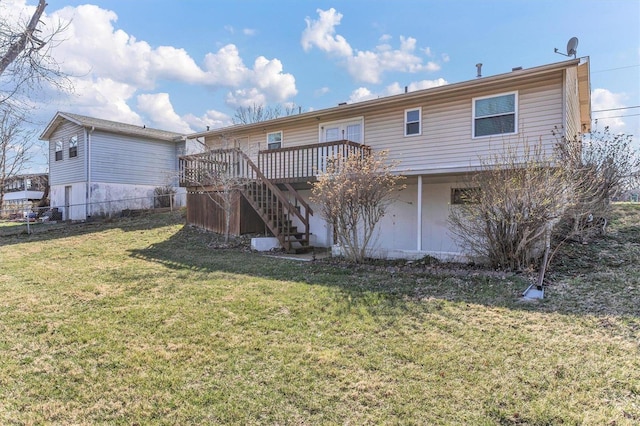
(464, 195)
(73, 146)
(58, 150)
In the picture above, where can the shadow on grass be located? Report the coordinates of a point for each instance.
(51, 231)
(395, 287)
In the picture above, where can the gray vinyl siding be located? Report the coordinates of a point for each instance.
(131, 160)
(68, 170)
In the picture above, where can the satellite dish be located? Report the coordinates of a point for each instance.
(572, 45)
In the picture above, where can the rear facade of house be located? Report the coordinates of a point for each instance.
(437, 135)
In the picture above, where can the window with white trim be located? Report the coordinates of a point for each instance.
(274, 140)
(58, 150)
(73, 146)
(495, 115)
(413, 121)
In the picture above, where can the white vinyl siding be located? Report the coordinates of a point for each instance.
(413, 121)
(446, 143)
(495, 115)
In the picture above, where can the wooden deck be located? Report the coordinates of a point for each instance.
(269, 187)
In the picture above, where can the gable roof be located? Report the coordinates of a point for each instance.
(517, 74)
(108, 126)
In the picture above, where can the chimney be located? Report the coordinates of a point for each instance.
(479, 67)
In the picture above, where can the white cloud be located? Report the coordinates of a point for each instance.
(249, 32)
(321, 34)
(110, 66)
(364, 65)
(212, 119)
(245, 98)
(104, 98)
(364, 94)
(322, 91)
(361, 94)
(157, 107)
(603, 99)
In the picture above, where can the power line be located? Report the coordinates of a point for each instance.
(617, 116)
(614, 69)
(616, 109)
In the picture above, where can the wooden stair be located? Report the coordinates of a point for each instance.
(276, 210)
(268, 200)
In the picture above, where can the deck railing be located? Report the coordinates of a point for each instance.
(304, 163)
(284, 165)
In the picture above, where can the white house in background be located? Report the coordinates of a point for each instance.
(438, 135)
(21, 192)
(100, 167)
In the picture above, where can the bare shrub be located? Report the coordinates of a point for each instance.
(600, 166)
(354, 194)
(506, 221)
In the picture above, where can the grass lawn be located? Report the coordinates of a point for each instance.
(140, 321)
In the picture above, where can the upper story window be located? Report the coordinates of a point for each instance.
(412, 121)
(495, 115)
(274, 140)
(73, 146)
(58, 150)
(349, 129)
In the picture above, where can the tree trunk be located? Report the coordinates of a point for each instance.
(17, 47)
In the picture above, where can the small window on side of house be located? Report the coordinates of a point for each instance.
(412, 121)
(73, 146)
(495, 115)
(58, 150)
(464, 195)
(274, 140)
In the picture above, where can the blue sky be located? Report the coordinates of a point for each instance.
(183, 65)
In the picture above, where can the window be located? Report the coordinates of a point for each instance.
(274, 140)
(412, 118)
(73, 146)
(495, 115)
(58, 150)
(464, 195)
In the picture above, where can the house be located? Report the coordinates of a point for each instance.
(99, 167)
(20, 192)
(438, 135)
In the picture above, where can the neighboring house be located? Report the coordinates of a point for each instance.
(100, 167)
(22, 191)
(439, 135)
